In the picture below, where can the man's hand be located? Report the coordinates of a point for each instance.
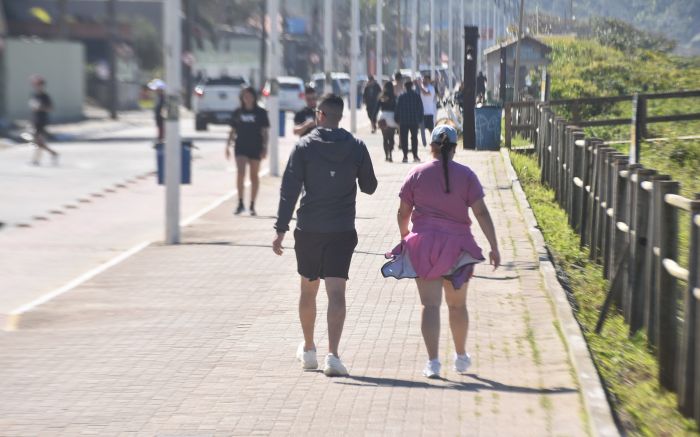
(495, 258)
(277, 244)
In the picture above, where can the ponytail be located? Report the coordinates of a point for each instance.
(445, 148)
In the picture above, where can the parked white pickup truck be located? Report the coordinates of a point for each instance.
(216, 99)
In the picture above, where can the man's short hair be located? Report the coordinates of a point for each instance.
(426, 76)
(397, 75)
(408, 85)
(370, 77)
(332, 107)
(309, 90)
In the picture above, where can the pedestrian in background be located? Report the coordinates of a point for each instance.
(328, 165)
(439, 251)
(481, 88)
(386, 122)
(427, 95)
(408, 115)
(158, 86)
(398, 83)
(305, 119)
(249, 135)
(370, 96)
(41, 105)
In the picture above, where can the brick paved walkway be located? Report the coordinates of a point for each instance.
(199, 340)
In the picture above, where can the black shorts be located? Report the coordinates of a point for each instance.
(324, 254)
(248, 152)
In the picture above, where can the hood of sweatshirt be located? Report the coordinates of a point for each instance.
(333, 145)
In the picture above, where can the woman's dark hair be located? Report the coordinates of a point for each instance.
(251, 90)
(387, 92)
(445, 149)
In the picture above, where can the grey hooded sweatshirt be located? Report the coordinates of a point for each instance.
(325, 164)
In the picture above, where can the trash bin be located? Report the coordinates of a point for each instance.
(488, 127)
(185, 169)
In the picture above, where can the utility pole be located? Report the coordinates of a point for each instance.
(450, 58)
(263, 45)
(112, 43)
(62, 11)
(173, 71)
(187, 48)
(380, 42)
(461, 30)
(274, 55)
(432, 39)
(516, 86)
(414, 36)
(354, 55)
(399, 45)
(328, 43)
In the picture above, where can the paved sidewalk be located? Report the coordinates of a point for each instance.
(199, 340)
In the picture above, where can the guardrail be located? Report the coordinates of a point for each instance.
(628, 216)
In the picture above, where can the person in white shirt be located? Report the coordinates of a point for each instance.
(427, 95)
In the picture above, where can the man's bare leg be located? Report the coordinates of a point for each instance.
(307, 311)
(335, 288)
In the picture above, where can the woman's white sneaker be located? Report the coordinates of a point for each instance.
(462, 362)
(432, 369)
(334, 367)
(307, 358)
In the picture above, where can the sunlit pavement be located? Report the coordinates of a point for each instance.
(199, 339)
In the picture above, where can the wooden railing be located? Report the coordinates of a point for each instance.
(628, 216)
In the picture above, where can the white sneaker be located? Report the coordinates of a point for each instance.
(334, 367)
(462, 362)
(432, 369)
(307, 358)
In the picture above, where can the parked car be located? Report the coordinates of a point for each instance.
(216, 99)
(340, 84)
(291, 93)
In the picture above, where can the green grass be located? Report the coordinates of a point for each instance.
(627, 366)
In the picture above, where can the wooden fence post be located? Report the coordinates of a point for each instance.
(638, 123)
(588, 161)
(577, 174)
(619, 236)
(509, 125)
(638, 249)
(607, 207)
(688, 379)
(648, 272)
(694, 291)
(666, 296)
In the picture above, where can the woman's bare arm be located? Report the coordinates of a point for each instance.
(403, 217)
(482, 215)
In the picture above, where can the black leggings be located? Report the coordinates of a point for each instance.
(404, 130)
(388, 135)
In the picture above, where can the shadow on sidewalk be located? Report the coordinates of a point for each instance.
(483, 385)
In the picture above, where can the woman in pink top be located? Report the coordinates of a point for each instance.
(440, 247)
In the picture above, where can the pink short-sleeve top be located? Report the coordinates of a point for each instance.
(441, 230)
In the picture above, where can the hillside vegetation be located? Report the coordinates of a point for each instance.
(586, 68)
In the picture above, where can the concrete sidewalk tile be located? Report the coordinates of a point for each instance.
(199, 339)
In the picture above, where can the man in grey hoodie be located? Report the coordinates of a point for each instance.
(327, 164)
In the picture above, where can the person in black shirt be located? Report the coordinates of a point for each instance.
(305, 120)
(41, 105)
(371, 98)
(387, 124)
(250, 127)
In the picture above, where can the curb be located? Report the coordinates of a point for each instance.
(595, 401)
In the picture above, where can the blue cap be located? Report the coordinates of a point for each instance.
(444, 129)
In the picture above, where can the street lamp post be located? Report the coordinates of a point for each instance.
(172, 52)
(354, 55)
(450, 59)
(432, 39)
(328, 43)
(380, 42)
(273, 61)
